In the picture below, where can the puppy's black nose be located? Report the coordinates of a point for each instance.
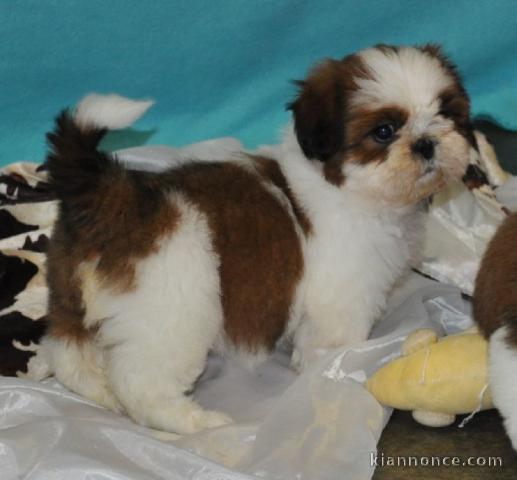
(424, 147)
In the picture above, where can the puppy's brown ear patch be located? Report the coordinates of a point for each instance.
(319, 111)
(455, 102)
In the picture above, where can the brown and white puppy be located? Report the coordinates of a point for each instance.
(150, 271)
(495, 311)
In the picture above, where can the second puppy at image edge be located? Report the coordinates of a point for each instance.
(301, 241)
(495, 311)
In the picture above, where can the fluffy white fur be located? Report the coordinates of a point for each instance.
(405, 78)
(356, 253)
(81, 368)
(158, 337)
(152, 344)
(109, 111)
(502, 365)
(144, 367)
(153, 341)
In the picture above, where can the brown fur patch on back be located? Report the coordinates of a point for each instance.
(256, 239)
(135, 216)
(495, 294)
(109, 218)
(121, 222)
(126, 215)
(271, 171)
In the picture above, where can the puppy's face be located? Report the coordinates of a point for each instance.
(391, 123)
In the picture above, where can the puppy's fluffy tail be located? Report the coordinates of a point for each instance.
(76, 166)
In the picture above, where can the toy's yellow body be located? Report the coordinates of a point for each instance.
(436, 379)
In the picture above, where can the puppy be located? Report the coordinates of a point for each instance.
(495, 311)
(148, 272)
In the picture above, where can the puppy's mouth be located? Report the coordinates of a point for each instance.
(431, 173)
(427, 177)
(429, 168)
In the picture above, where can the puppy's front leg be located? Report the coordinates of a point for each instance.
(333, 327)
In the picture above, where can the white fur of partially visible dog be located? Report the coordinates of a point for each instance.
(502, 364)
(364, 238)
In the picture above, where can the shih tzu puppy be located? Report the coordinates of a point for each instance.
(148, 272)
(495, 311)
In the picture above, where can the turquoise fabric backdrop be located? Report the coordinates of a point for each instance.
(220, 68)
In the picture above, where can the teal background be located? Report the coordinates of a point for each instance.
(219, 68)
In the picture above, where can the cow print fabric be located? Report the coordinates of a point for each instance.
(27, 212)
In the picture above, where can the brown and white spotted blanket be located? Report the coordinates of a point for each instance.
(27, 212)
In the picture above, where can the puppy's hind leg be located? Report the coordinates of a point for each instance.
(153, 383)
(503, 380)
(79, 366)
(160, 333)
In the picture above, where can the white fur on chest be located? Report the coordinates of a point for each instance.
(353, 257)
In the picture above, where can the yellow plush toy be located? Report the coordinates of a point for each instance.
(436, 379)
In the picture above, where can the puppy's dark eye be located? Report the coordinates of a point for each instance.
(384, 133)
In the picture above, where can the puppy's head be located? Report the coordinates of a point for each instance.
(392, 123)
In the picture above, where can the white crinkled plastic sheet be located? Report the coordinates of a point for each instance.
(320, 425)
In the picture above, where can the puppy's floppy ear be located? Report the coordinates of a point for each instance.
(455, 102)
(319, 111)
